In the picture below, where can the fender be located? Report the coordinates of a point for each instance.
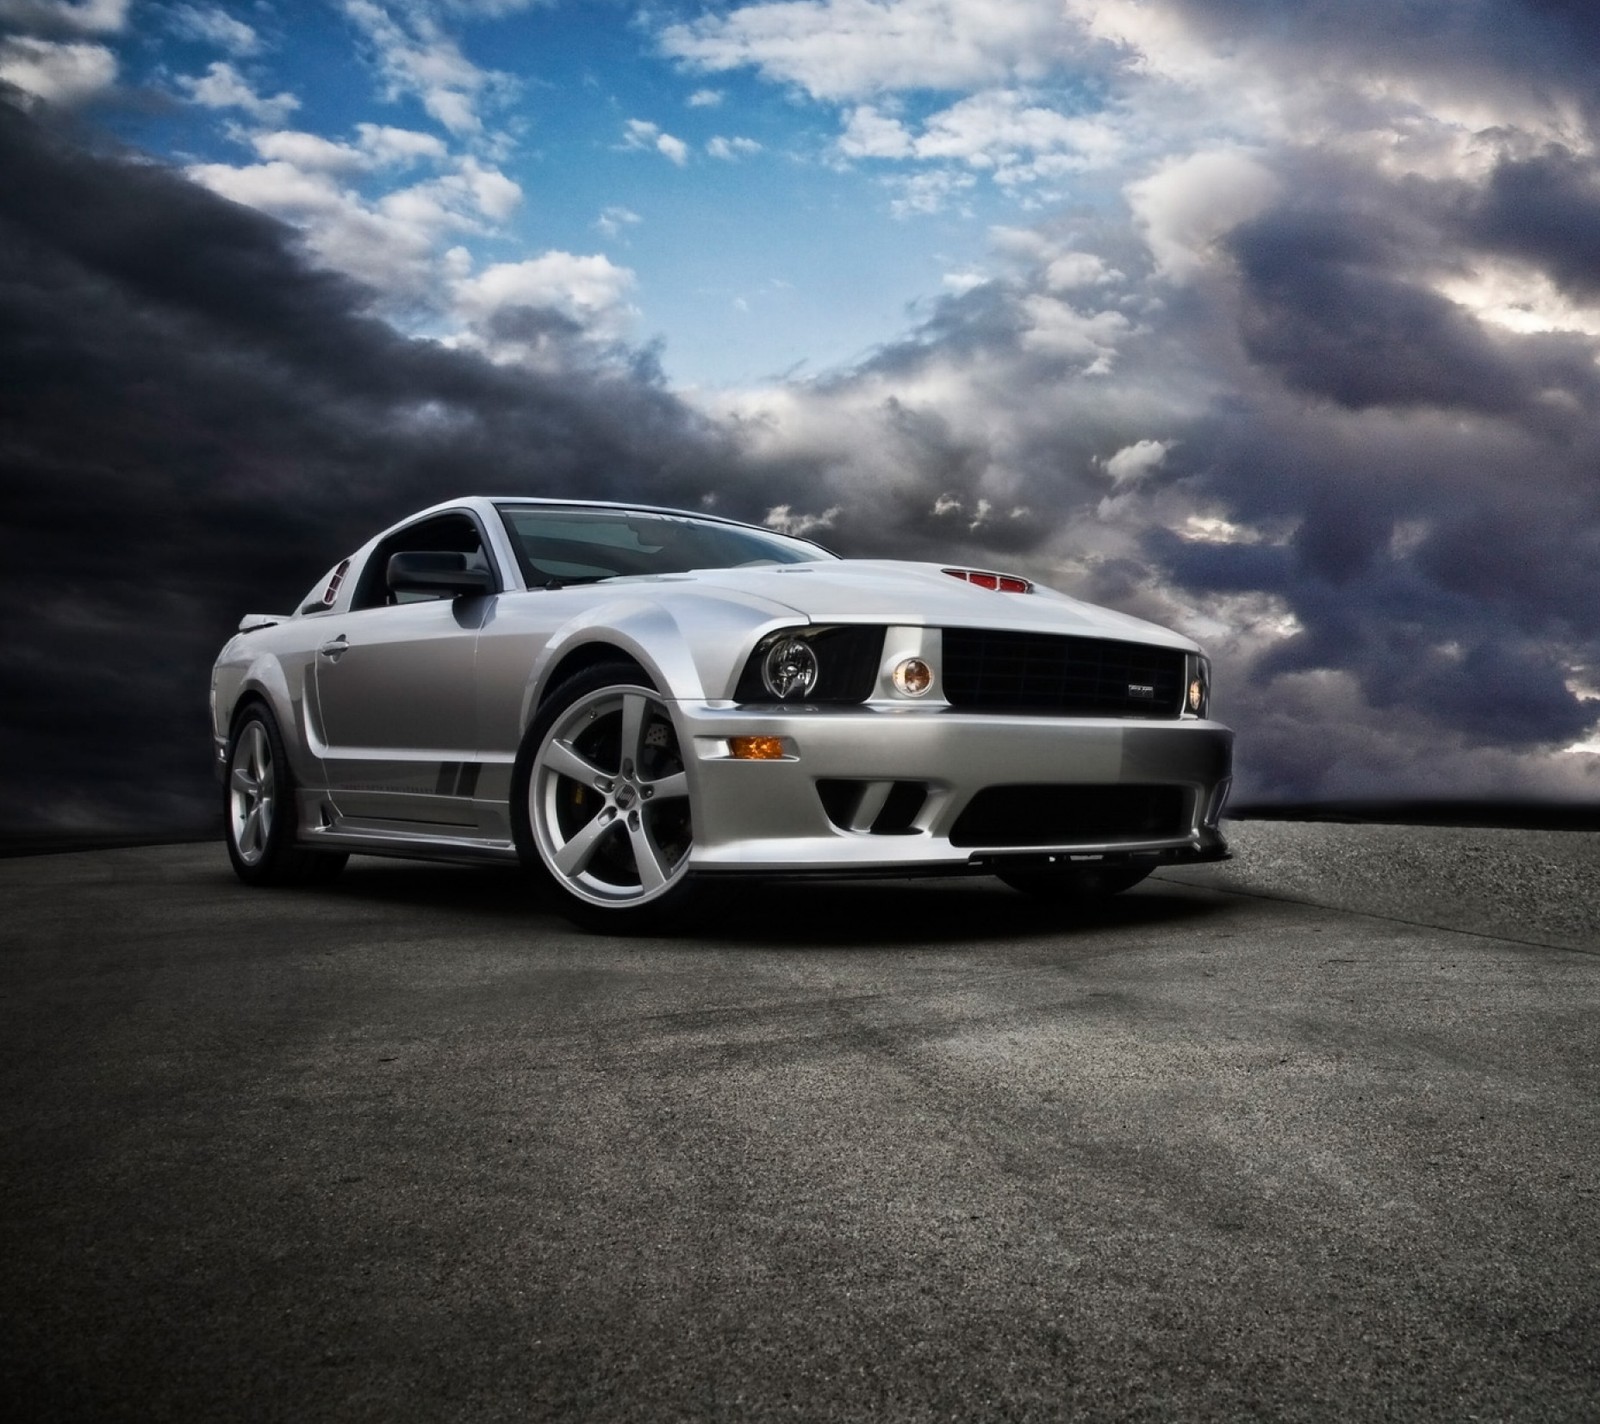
(703, 666)
(265, 676)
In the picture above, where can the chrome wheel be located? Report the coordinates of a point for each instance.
(252, 793)
(608, 798)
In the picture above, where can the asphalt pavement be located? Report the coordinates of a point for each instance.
(1311, 1135)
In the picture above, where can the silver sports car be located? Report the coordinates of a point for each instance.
(632, 701)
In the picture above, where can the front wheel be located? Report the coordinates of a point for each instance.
(1074, 882)
(258, 809)
(601, 801)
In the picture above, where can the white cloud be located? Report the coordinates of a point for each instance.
(870, 134)
(277, 187)
(1211, 529)
(385, 145)
(1187, 205)
(1023, 244)
(376, 147)
(588, 287)
(216, 26)
(784, 520)
(455, 202)
(1078, 269)
(495, 9)
(1002, 129)
(613, 220)
(706, 99)
(309, 152)
(961, 282)
(1519, 298)
(57, 73)
(84, 17)
(223, 87)
(426, 62)
(390, 244)
(1158, 41)
(929, 192)
(730, 149)
(503, 306)
(1054, 328)
(1134, 462)
(848, 49)
(492, 193)
(1063, 266)
(641, 134)
(1016, 139)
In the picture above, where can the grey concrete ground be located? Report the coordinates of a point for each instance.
(408, 1147)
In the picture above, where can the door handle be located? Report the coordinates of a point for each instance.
(334, 648)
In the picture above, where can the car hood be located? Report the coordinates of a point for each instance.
(916, 595)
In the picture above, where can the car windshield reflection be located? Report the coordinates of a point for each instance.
(560, 547)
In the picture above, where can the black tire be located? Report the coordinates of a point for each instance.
(600, 802)
(1080, 883)
(258, 809)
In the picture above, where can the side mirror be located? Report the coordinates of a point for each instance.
(437, 573)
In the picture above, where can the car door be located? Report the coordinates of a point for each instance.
(395, 696)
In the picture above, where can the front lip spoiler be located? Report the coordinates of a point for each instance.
(992, 862)
(988, 863)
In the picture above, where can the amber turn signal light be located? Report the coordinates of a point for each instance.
(756, 748)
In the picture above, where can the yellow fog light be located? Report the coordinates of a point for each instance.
(756, 748)
(913, 677)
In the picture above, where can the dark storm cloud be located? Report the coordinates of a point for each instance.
(1406, 641)
(1544, 210)
(195, 424)
(1470, 42)
(1463, 596)
(1330, 304)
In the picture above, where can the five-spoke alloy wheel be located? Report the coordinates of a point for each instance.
(252, 793)
(602, 800)
(258, 808)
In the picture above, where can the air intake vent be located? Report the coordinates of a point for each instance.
(879, 808)
(1072, 815)
(990, 671)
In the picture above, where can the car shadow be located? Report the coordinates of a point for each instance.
(836, 914)
(819, 913)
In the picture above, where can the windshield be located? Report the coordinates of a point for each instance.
(557, 546)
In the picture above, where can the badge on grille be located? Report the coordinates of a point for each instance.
(1141, 689)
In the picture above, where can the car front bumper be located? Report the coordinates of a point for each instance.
(888, 789)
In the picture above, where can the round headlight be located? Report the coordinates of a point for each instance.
(912, 676)
(790, 669)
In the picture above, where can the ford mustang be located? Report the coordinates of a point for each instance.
(633, 701)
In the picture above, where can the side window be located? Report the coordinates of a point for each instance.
(449, 533)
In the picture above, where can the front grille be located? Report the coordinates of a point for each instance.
(986, 670)
(1072, 815)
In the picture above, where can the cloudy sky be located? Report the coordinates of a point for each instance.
(1274, 320)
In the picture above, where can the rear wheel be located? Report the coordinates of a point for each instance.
(259, 810)
(1077, 881)
(601, 801)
